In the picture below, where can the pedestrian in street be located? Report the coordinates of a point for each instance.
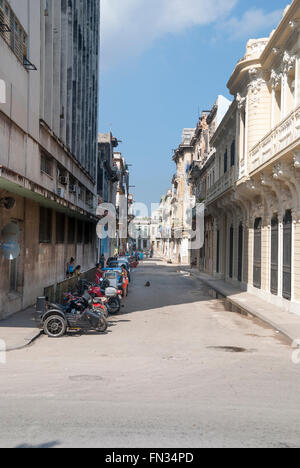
(125, 281)
(70, 268)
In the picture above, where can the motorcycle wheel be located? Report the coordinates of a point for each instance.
(114, 306)
(55, 326)
(102, 325)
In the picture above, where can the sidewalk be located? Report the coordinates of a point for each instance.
(288, 324)
(19, 330)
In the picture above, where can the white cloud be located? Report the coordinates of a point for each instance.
(252, 22)
(130, 26)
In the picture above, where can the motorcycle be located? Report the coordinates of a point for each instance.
(98, 304)
(103, 291)
(77, 314)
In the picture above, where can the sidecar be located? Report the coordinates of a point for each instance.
(56, 319)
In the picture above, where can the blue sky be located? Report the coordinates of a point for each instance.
(161, 61)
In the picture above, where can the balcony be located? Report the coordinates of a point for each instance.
(284, 135)
(225, 183)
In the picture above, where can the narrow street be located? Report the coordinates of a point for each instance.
(158, 378)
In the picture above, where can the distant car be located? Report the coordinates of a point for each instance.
(121, 263)
(114, 276)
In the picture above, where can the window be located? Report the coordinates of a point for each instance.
(46, 164)
(87, 232)
(72, 185)
(89, 198)
(45, 225)
(232, 154)
(81, 192)
(71, 230)
(60, 228)
(13, 33)
(225, 162)
(257, 252)
(79, 232)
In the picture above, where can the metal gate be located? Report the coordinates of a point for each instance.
(231, 252)
(274, 255)
(287, 256)
(257, 253)
(241, 247)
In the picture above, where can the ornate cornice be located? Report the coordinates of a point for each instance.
(288, 62)
(275, 79)
(241, 102)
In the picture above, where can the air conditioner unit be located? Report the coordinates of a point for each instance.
(61, 192)
(63, 180)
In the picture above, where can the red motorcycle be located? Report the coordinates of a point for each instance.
(111, 296)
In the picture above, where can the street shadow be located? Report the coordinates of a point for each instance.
(24, 319)
(47, 445)
(170, 286)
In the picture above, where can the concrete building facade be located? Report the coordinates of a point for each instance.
(48, 141)
(108, 178)
(124, 201)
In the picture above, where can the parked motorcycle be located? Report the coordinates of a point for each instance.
(78, 314)
(98, 304)
(103, 290)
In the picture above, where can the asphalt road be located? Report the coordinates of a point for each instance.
(167, 374)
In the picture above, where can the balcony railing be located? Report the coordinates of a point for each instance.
(222, 185)
(281, 137)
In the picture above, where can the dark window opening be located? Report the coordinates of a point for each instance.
(287, 256)
(231, 252)
(79, 232)
(46, 164)
(218, 252)
(60, 228)
(71, 230)
(225, 162)
(257, 253)
(232, 154)
(87, 233)
(45, 234)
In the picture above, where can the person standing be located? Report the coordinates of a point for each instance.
(99, 273)
(102, 261)
(125, 281)
(70, 268)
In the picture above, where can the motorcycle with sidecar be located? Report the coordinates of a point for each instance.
(78, 314)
